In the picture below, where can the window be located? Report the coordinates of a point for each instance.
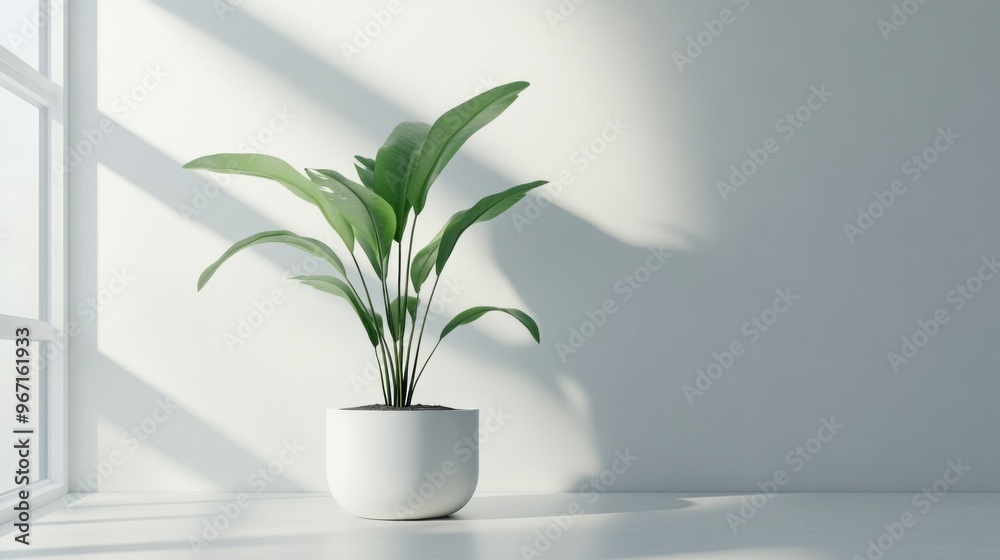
(32, 250)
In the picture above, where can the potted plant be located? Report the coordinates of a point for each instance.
(394, 460)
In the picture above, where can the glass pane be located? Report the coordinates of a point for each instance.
(11, 417)
(19, 207)
(21, 24)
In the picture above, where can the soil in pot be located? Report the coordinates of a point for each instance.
(411, 407)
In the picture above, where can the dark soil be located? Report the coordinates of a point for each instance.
(411, 407)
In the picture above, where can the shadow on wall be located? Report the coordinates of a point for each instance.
(548, 259)
(586, 288)
(128, 401)
(617, 372)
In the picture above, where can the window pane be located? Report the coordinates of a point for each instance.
(21, 24)
(19, 207)
(9, 420)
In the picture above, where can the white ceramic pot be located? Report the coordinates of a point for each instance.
(402, 464)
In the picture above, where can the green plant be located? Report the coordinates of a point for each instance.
(375, 214)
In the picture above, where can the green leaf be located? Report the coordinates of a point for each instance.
(423, 261)
(371, 217)
(448, 134)
(307, 244)
(367, 162)
(412, 302)
(395, 310)
(366, 171)
(337, 287)
(486, 209)
(269, 167)
(393, 163)
(471, 314)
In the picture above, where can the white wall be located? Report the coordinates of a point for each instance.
(201, 80)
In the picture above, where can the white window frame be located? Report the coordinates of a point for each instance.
(45, 89)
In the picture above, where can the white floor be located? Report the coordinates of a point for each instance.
(113, 526)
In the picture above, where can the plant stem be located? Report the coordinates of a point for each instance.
(420, 339)
(382, 370)
(429, 356)
(401, 324)
(381, 375)
(388, 313)
(409, 259)
(371, 306)
(386, 379)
